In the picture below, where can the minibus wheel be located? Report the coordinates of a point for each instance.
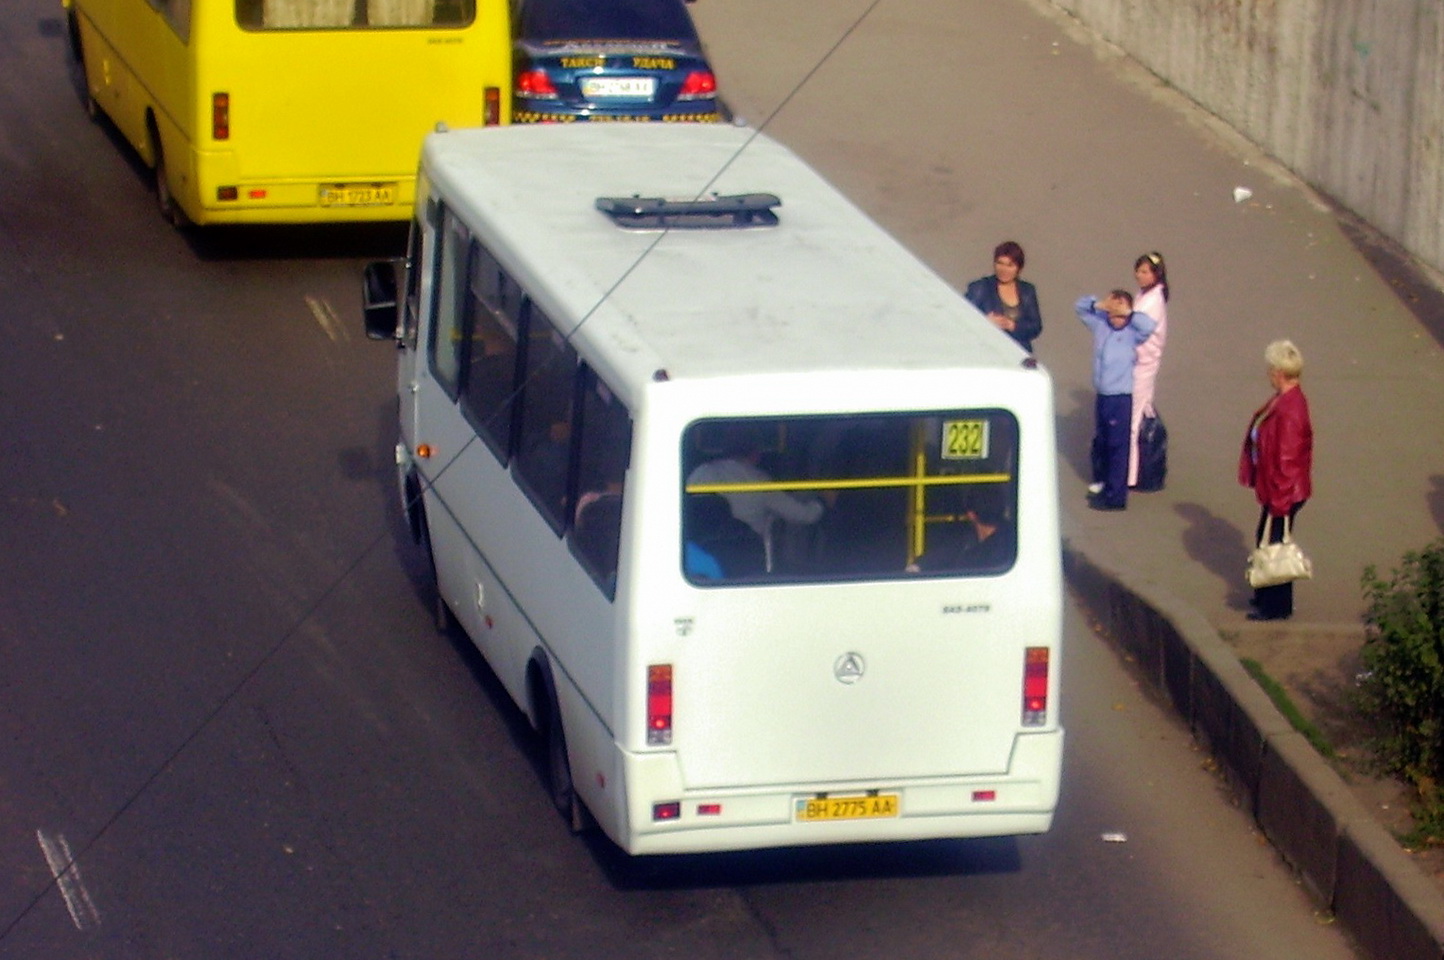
(170, 211)
(77, 66)
(559, 771)
(442, 618)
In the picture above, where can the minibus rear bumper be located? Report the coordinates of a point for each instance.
(662, 817)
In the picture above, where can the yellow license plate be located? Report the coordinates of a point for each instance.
(870, 807)
(357, 194)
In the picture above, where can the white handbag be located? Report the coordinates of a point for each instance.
(1271, 564)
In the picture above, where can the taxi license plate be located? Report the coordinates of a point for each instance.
(357, 194)
(871, 807)
(633, 87)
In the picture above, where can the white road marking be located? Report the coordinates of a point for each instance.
(66, 872)
(327, 319)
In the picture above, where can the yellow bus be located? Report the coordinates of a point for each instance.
(290, 111)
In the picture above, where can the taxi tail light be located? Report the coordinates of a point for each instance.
(659, 704)
(491, 107)
(700, 84)
(535, 84)
(220, 116)
(1035, 686)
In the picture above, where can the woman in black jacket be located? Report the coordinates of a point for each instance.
(1010, 303)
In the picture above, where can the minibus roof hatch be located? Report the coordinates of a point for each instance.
(714, 212)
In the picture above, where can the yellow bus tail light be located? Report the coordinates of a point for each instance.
(220, 116)
(491, 110)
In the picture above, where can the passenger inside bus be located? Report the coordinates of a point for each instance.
(597, 518)
(742, 448)
(982, 538)
(716, 538)
(598, 529)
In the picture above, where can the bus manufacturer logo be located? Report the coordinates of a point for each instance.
(849, 668)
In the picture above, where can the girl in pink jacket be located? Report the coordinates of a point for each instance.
(1152, 276)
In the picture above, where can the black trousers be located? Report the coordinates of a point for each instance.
(1275, 602)
(1112, 436)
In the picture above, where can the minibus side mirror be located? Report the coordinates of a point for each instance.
(378, 298)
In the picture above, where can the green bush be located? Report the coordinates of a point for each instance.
(1402, 686)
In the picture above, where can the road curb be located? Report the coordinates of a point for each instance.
(1344, 858)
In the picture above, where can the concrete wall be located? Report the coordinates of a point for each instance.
(1349, 94)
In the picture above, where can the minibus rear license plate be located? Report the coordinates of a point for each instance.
(871, 807)
(357, 194)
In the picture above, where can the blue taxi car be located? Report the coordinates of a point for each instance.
(614, 60)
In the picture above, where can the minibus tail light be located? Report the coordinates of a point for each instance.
(1035, 687)
(220, 116)
(491, 107)
(659, 704)
(700, 84)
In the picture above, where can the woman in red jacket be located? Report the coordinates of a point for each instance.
(1278, 462)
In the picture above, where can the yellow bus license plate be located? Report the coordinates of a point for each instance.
(357, 194)
(877, 806)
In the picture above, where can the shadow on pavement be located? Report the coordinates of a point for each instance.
(922, 858)
(322, 241)
(1075, 435)
(1436, 500)
(1216, 545)
(1422, 295)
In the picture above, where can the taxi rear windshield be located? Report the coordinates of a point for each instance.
(795, 499)
(543, 21)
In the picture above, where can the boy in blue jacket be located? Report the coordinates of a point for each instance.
(1117, 331)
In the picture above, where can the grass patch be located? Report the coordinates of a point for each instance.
(1428, 833)
(1280, 698)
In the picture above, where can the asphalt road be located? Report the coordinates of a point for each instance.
(220, 693)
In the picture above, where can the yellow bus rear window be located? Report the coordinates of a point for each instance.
(353, 14)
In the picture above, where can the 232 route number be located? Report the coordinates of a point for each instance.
(965, 440)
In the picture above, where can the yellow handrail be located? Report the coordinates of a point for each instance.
(864, 483)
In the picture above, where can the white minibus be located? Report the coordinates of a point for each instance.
(751, 513)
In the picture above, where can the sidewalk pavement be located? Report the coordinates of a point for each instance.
(1164, 580)
(1033, 129)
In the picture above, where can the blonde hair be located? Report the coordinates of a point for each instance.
(1283, 356)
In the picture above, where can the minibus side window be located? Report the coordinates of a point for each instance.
(411, 315)
(604, 450)
(178, 14)
(449, 333)
(545, 435)
(490, 383)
